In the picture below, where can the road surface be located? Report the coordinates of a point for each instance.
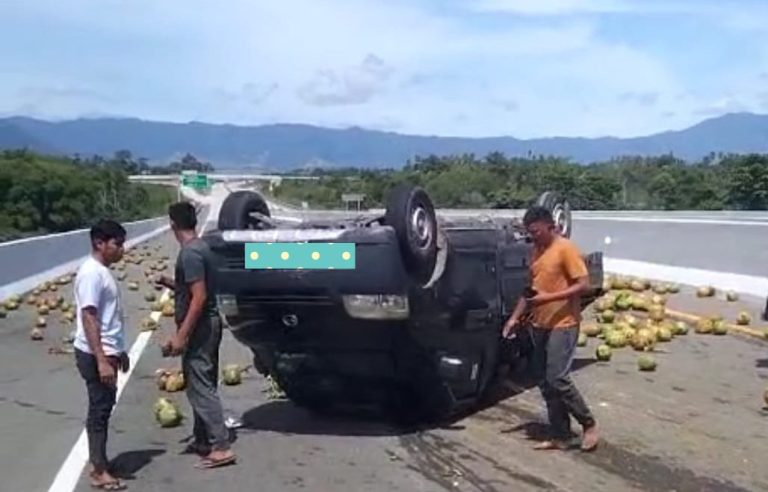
(694, 425)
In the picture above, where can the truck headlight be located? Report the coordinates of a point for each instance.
(227, 304)
(376, 306)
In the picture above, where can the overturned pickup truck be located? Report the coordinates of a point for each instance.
(414, 328)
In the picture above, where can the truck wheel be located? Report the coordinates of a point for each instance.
(237, 207)
(411, 213)
(560, 209)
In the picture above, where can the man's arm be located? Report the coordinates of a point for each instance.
(198, 297)
(193, 265)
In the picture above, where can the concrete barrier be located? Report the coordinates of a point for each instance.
(28, 262)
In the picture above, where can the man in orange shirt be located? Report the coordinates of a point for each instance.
(559, 277)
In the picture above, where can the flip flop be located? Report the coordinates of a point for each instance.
(550, 445)
(206, 463)
(114, 485)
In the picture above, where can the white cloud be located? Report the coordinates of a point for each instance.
(393, 64)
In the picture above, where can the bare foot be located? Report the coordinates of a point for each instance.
(590, 439)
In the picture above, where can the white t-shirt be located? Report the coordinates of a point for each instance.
(95, 286)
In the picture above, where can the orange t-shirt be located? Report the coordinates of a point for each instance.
(554, 269)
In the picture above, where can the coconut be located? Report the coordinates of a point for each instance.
(719, 327)
(656, 313)
(53, 288)
(619, 283)
(623, 303)
(639, 303)
(731, 296)
(658, 300)
(149, 297)
(680, 328)
(41, 322)
(703, 326)
(607, 285)
(133, 285)
(615, 339)
(603, 352)
(743, 318)
(659, 288)
(646, 363)
(664, 334)
(604, 304)
(607, 316)
(174, 382)
(167, 414)
(643, 340)
(11, 305)
(232, 375)
(591, 329)
(148, 324)
(168, 310)
(631, 320)
(637, 285)
(32, 300)
(705, 291)
(582, 340)
(36, 334)
(673, 288)
(43, 310)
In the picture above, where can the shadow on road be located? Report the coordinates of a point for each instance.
(126, 465)
(283, 416)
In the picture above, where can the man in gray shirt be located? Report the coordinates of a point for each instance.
(198, 337)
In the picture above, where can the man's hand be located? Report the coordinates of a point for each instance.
(125, 362)
(510, 326)
(540, 298)
(107, 372)
(174, 346)
(165, 281)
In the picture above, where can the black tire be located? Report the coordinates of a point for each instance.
(411, 213)
(237, 207)
(560, 209)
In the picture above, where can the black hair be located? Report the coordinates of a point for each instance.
(106, 230)
(184, 215)
(538, 214)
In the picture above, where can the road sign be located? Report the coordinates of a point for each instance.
(197, 181)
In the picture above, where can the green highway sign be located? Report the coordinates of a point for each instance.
(197, 181)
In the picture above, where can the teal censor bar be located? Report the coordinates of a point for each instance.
(300, 256)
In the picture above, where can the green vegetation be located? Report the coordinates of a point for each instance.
(718, 182)
(43, 194)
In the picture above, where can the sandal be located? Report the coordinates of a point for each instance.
(207, 463)
(113, 485)
(550, 445)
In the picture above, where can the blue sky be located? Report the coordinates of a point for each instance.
(439, 67)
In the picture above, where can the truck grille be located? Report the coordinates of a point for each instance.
(300, 299)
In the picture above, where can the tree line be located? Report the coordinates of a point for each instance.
(46, 194)
(718, 182)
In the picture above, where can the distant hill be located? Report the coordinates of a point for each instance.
(289, 146)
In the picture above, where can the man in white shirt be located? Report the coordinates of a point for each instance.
(100, 342)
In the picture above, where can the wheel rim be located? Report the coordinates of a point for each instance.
(561, 219)
(421, 227)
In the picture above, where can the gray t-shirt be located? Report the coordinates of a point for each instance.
(195, 262)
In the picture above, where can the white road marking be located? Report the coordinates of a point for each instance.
(674, 221)
(69, 474)
(745, 284)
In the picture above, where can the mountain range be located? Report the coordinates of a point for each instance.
(283, 147)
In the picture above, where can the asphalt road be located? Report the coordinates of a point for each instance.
(694, 425)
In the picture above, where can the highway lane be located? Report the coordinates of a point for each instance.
(671, 430)
(719, 241)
